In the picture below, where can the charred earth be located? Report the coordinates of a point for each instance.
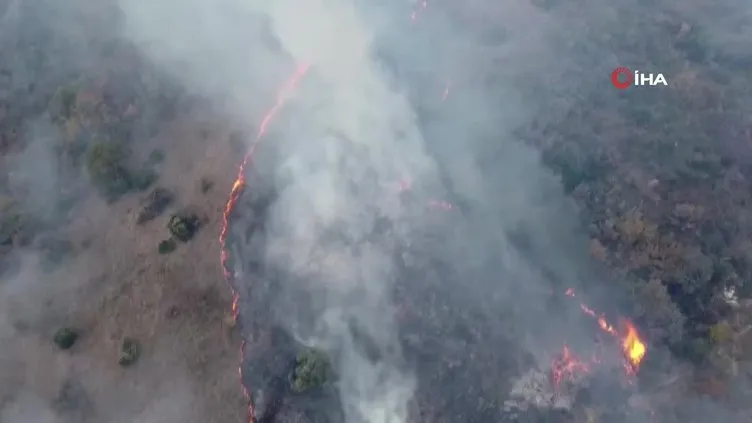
(456, 332)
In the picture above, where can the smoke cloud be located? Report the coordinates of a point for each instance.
(356, 136)
(361, 136)
(369, 116)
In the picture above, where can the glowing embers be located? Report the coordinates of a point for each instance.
(237, 190)
(569, 366)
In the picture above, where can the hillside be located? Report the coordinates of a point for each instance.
(115, 172)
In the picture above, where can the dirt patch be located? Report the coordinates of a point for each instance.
(152, 338)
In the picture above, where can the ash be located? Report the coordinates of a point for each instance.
(535, 389)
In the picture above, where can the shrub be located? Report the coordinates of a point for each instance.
(105, 162)
(65, 338)
(206, 185)
(142, 180)
(167, 246)
(16, 226)
(312, 370)
(10, 221)
(721, 333)
(63, 102)
(154, 205)
(129, 352)
(661, 318)
(183, 226)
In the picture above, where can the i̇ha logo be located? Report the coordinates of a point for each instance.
(623, 78)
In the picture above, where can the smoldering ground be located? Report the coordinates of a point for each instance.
(448, 305)
(355, 138)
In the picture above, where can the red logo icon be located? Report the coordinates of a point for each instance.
(622, 78)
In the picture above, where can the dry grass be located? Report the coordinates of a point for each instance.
(174, 304)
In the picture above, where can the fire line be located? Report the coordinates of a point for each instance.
(237, 189)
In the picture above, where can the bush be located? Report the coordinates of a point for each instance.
(141, 181)
(105, 162)
(167, 246)
(183, 226)
(129, 352)
(17, 227)
(661, 318)
(206, 185)
(10, 221)
(721, 333)
(63, 102)
(65, 338)
(575, 169)
(154, 205)
(312, 370)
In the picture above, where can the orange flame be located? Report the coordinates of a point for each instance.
(633, 348)
(235, 192)
(566, 366)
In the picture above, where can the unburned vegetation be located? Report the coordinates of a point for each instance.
(662, 179)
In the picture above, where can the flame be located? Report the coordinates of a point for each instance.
(632, 346)
(567, 366)
(237, 189)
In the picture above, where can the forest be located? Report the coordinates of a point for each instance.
(662, 176)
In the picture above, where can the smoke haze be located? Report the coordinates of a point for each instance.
(353, 135)
(399, 93)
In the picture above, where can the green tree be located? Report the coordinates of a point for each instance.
(312, 370)
(105, 163)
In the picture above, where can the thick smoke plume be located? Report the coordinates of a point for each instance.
(371, 115)
(352, 136)
(361, 138)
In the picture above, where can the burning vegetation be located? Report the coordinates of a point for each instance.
(310, 369)
(627, 338)
(237, 190)
(665, 209)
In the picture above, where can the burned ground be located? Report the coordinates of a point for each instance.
(92, 134)
(457, 326)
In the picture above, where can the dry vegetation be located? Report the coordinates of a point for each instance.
(109, 329)
(664, 181)
(664, 185)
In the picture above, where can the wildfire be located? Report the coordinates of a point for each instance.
(236, 191)
(633, 347)
(566, 365)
